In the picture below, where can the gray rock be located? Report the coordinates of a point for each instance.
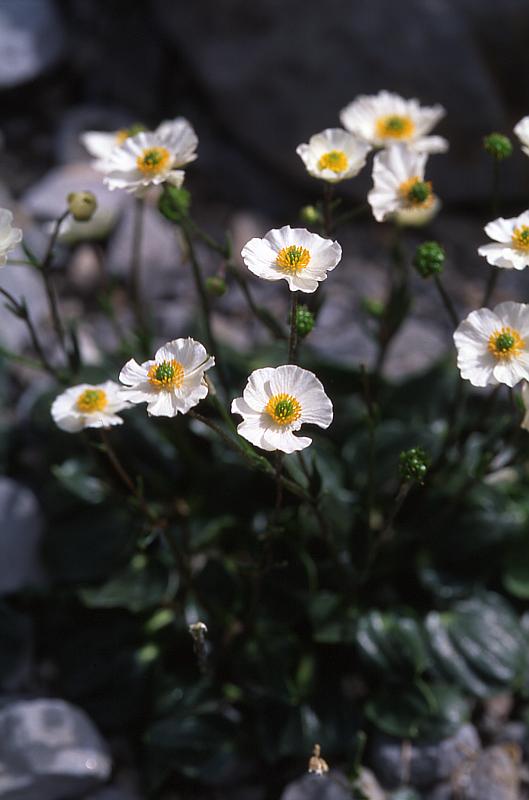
(46, 199)
(296, 83)
(369, 785)
(494, 775)
(422, 764)
(333, 786)
(31, 40)
(49, 750)
(443, 791)
(22, 526)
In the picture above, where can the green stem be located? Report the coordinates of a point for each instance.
(445, 298)
(45, 268)
(20, 310)
(495, 204)
(328, 191)
(262, 314)
(293, 338)
(204, 302)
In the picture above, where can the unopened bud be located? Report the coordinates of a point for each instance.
(216, 285)
(174, 203)
(498, 146)
(304, 321)
(429, 259)
(310, 215)
(375, 308)
(413, 464)
(82, 205)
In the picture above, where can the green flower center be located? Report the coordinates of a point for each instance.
(504, 342)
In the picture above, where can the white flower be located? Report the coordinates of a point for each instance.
(170, 383)
(493, 346)
(333, 155)
(100, 144)
(88, 406)
(399, 185)
(521, 129)
(151, 158)
(300, 257)
(276, 402)
(525, 398)
(9, 236)
(511, 242)
(385, 118)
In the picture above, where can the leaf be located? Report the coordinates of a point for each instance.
(73, 475)
(392, 642)
(418, 711)
(516, 571)
(141, 585)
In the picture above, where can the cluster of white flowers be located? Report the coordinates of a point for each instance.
(493, 345)
(401, 129)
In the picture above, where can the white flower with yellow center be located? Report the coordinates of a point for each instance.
(88, 406)
(493, 346)
(511, 242)
(386, 118)
(173, 382)
(521, 129)
(152, 158)
(300, 257)
(9, 236)
(333, 155)
(100, 144)
(399, 185)
(276, 402)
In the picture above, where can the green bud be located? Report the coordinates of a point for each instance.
(429, 259)
(375, 308)
(413, 464)
(82, 205)
(310, 215)
(304, 321)
(174, 203)
(216, 285)
(498, 146)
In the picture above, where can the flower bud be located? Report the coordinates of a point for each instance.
(174, 203)
(82, 205)
(216, 285)
(310, 215)
(498, 146)
(304, 321)
(413, 464)
(375, 308)
(429, 259)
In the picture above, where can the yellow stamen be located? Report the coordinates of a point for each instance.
(122, 136)
(283, 408)
(417, 193)
(335, 160)
(520, 238)
(394, 126)
(166, 375)
(92, 400)
(505, 343)
(293, 259)
(153, 160)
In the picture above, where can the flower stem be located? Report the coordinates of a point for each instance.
(204, 302)
(19, 309)
(445, 298)
(328, 191)
(495, 204)
(135, 276)
(293, 338)
(45, 268)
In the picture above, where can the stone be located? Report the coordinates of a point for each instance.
(31, 40)
(443, 791)
(493, 775)
(369, 785)
(49, 750)
(422, 764)
(46, 199)
(297, 83)
(333, 786)
(22, 525)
